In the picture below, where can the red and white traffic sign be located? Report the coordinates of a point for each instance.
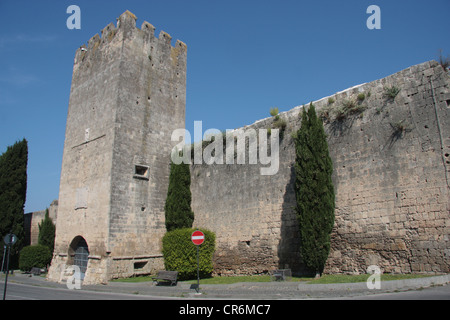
(198, 237)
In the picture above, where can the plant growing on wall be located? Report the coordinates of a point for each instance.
(314, 191)
(278, 123)
(177, 209)
(326, 112)
(444, 61)
(350, 106)
(391, 92)
(274, 111)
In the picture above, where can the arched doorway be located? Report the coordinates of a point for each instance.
(79, 253)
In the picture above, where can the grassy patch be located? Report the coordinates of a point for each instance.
(237, 279)
(342, 278)
(135, 279)
(230, 280)
(325, 279)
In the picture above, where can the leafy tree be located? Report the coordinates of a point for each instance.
(47, 232)
(314, 191)
(13, 190)
(178, 203)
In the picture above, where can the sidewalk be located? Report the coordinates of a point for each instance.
(245, 290)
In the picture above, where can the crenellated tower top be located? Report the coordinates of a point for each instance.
(126, 28)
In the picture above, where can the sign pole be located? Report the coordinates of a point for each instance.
(7, 272)
(4, 256)
(198, 238)
(9, 240)
(198, 269)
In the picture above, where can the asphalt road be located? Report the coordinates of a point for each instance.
(432, 293)
(28, 292)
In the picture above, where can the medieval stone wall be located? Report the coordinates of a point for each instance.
(390, 155)
(391, 167)
(128, 94)
(33, 219)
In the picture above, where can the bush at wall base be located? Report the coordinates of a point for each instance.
(180, 254)
(38, 256)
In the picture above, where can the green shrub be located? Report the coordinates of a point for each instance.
(38, 256)
(349, 104)
(391, 92)
(274, 111)
(280, 124)
(361, 96)
(340, 113)
(348, 107)
(180, 254)
(325, 113)
(400, 127)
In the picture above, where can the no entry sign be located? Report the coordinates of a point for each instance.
(198, 237)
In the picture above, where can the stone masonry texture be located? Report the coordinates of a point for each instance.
(128, 94)
(391, 168)
(390, 155)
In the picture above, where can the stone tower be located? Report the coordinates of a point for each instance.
(128, 94)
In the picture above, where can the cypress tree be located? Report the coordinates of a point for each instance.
(13, 190)
(314, 191)
(177, 209)
(47, 232)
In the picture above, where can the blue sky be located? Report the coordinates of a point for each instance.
(244, 57)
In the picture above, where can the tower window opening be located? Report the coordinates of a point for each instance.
(141, 172)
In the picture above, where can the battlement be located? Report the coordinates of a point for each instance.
(126, 27)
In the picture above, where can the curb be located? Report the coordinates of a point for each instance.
(392, 285)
